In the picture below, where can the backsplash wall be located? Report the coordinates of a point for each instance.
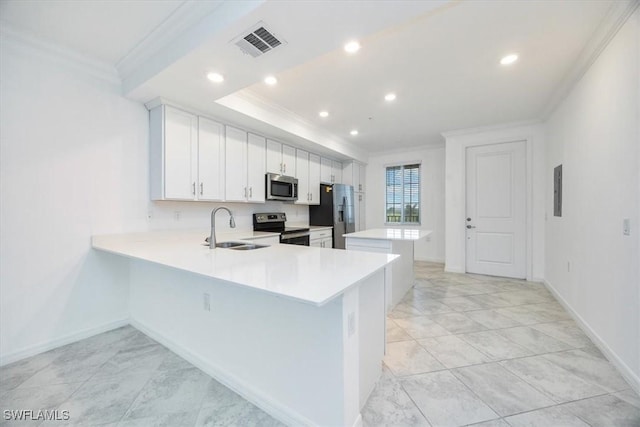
(164, 215)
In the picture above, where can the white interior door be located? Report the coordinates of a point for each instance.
(496, 210)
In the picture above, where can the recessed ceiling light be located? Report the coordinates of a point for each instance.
(323, 114)
(352, 46)
(354, 132)
(390, 97)
(509, 59)
(270, 80)
(215, 77)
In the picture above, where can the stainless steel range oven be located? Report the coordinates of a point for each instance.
(275, 223)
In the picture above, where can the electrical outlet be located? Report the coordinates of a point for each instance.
(207, 302)
(626, 226)
(176, 215)
(568, 266)
(351, 323)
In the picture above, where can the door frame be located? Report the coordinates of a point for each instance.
(457, 143)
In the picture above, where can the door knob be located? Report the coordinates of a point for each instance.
(468, 219)
(471, 226)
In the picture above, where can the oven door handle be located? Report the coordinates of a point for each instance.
(294, 235)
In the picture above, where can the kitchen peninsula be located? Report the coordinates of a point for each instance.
(400, 276)
(299, 331)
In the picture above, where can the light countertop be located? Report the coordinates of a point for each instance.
(390, 234)
(310, 275)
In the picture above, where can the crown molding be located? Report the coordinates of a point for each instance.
(11, 37)
(615, 18)
(184, 17)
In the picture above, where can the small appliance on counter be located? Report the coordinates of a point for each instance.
(281, 187)
(275, 223)
(335, 210)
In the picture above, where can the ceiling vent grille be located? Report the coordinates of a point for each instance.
(258, 41)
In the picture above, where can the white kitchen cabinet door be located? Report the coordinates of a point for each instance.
(336, 168)
(363, 178)
(314, 179)
(236, 165)
(288, 160)
(256, 162)
(274, 157)
(302, 173)
(210, 160)
(315, 243)
(180, 151)
(327, 242)
(326, 171)
(360, 211)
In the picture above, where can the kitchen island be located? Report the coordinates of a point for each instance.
(400, 241)
(298, 331)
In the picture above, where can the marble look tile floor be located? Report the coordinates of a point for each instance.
(462, 350)
(484, 351)
(122, 378)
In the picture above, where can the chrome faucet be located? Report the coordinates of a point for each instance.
(212, 237)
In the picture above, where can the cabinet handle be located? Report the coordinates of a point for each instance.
(201, 188)
(360, 187)
(245, 192)
(285, 168)
(250, 192)
(193, 188)
(281, 168)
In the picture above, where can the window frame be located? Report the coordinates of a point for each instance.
(402, 165)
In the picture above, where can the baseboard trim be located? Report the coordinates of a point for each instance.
(627, 373)
(59, 342)
(264, 402)
(428, 259)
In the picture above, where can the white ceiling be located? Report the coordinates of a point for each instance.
(105, 30)
(440, 57)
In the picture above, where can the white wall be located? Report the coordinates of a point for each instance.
(595, 135)
(74, 163)
(431, 195)
(456, 145)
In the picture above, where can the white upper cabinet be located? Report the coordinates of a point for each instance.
(236, 165)
(336, 168)
(330, 171)
(359, 211)
(302, 173)
(354, 174)
(326, 171)
(314, 179)
(245, 161)
(211, 159)
(186, 156)
(180, 154)
(256, 168)
(281, 158)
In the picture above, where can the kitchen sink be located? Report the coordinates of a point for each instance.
(229, 244)
(248, 247)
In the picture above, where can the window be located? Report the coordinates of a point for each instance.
(403, 194)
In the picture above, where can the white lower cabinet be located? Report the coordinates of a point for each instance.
(321, 238)
(245, 164)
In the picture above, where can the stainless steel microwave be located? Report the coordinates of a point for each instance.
(281, 187)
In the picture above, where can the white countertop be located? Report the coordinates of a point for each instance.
(310, 275)
(319, 227)
(390, 234)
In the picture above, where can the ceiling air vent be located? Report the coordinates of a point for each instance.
(258, 41)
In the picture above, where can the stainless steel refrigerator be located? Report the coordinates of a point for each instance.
(336, 210)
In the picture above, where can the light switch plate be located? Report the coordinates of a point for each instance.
(626, 226)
